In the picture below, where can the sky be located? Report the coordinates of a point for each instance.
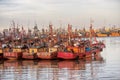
(78, 13)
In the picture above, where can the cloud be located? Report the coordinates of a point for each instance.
(74, 11)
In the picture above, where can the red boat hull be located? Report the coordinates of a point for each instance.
(12, 55)
(47, 55)
(28, 56)
(67, 55)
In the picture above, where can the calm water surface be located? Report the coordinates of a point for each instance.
(104, 67)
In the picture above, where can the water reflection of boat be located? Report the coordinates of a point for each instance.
(1, 64)
(72, 64)
(12, 63)
(47, 70)
(29, 62)
(48, 63)
(96, 57)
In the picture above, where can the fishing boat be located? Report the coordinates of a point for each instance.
(15, 53)
(68, 53)
(47, 53)
(30, 53)
(94, 46)
(91, 51)
(12, 49)
(41, 44)
(101, 35)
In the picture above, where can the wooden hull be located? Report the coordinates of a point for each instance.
(47, 55)
(102, 46)
(114, 34)
(1, 56)
(87, 54)
(12, 55)
(29, 56)
(90, 54)
(102, 35)
(67, 55)
(81, 55)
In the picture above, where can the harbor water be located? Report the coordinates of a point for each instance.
(104, 67)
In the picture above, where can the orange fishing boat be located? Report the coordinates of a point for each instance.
(47, 53)
(30, 53)
(114, 34)
(15, 53)
(101, 35)
(68, 53)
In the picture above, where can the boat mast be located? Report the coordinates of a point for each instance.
(92, 33)
(69, 33)
(13, 28)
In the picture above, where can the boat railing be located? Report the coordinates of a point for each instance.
(7, 50)
(43, 50)
(33, 50)
(53, 49)
(17, 50)
(77, 50)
